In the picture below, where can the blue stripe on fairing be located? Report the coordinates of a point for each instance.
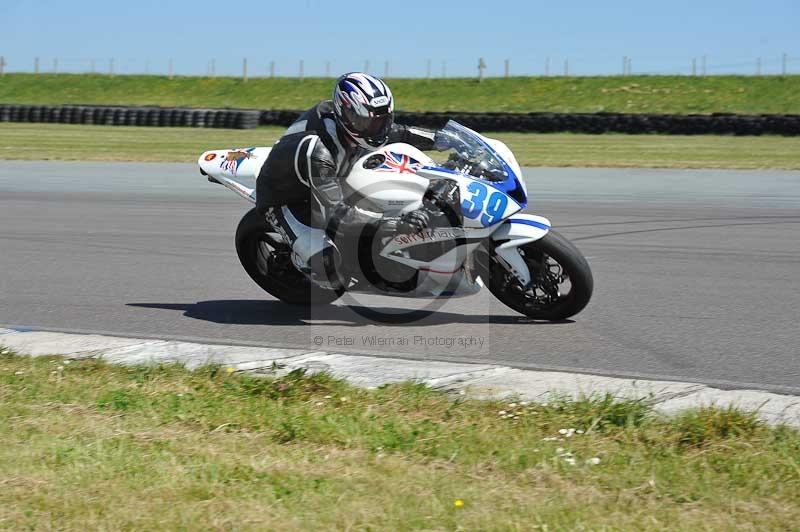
(532, 223)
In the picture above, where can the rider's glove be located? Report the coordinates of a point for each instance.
(443, 199)
(442, 193)
(413, 222)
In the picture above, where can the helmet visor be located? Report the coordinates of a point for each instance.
(373, 129)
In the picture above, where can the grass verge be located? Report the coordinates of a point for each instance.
(638, 94)
(113, 143)
(89, 445)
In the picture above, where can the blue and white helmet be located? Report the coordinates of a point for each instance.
(364, 108)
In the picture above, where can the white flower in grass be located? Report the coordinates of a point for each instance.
(565, 455)
(502, 413)
(328, 397)
(593, 461)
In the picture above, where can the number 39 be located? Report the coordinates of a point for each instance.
(475, 206)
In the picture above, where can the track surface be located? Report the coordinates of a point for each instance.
(697, 273)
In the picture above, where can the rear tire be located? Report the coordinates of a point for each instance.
(267, 261)
(540, 257)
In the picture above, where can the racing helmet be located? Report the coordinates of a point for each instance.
(364, 109)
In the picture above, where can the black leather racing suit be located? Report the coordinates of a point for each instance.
(298, 188)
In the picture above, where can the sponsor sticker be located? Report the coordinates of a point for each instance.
(235, 155)
(429, 235)
(234, 158)
(210, 156)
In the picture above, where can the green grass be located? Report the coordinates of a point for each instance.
(640, 94)
(114, 143)
(86, 445)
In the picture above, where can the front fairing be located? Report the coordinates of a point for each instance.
(489, 178)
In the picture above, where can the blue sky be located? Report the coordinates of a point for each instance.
(659, 36)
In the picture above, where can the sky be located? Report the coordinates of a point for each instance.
(592, 36)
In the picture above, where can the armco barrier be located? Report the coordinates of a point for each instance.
(594, 123)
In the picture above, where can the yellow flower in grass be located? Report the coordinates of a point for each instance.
(458, 503)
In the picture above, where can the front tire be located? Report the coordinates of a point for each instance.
(267, 260)
(554, 264)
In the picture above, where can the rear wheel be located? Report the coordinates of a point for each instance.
(268, 261)
(561, 280)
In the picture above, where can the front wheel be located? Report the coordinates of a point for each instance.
(561, 280)
(267, 260)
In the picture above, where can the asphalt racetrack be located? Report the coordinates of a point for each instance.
(697, 273)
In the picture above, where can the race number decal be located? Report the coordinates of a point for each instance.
(490, 208)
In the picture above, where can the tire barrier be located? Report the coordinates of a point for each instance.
(278, 118)
(593, 123)
(597, 123)
(131, 116)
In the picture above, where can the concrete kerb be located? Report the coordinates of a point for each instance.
(474, 380)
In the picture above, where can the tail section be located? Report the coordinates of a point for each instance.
(236, 168)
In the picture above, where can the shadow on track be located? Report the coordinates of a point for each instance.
(260, 312)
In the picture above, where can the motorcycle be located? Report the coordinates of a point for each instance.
(488, 241)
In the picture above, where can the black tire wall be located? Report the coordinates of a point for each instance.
(592, 123)
(130, 116)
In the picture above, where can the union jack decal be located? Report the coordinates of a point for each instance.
(400, 164)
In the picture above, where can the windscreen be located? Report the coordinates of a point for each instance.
(468, 154)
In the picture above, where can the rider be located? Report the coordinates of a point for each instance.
(298, 188)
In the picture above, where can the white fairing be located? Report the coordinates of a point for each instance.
(507, 154)
(236, 168)
(517, 231)
(469, 187)
(394, 186)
